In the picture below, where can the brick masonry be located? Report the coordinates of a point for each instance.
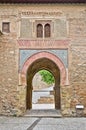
(68, 28)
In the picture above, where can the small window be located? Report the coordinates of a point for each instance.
(47, 30)
(39, 30)
(6, 27)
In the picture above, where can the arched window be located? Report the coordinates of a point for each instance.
(39, 30)
(47, 30)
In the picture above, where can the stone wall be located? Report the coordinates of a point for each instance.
(38, 83)
(8, 75)
(72, 28)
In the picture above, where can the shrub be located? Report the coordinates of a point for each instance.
(47, 76)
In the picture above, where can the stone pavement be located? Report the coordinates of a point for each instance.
(27, 123)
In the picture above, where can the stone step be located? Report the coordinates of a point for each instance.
(46, 100)
(43, 113)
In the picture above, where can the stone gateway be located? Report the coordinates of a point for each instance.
(36, 35)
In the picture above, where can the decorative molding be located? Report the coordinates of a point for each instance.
(41, 13)
(43, 44)
(41, 55)
(61, 54)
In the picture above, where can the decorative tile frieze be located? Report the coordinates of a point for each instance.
(25, 54)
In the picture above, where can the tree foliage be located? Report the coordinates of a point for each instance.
(47, 76)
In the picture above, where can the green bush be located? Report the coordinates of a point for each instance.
(47, 76)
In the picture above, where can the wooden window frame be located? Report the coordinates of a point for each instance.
(44, 23)
(39, 31)
(45, 30)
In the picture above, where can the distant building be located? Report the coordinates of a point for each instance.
(42, 34)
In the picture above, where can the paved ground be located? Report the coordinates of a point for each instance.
(26, 123)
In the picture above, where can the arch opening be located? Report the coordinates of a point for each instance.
(43, 84)
(43, 64)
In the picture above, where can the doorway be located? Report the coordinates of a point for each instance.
(36, 66)
(43, 96)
